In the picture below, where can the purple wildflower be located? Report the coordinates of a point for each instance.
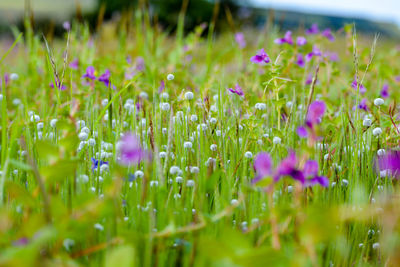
(302, 132)
(315, 113)
(322, 180)
(328, 34)
(309, 79)
(89, 73)
(162, 86)
(301, 41)
(128, 59)
(62, 88)
(262, 166)
(239, 38)
(140, 64)
(332, 56)
(389, 164)
(21, 242)
(354, 85)
(97, 163)
(66, 25)
(397, 78)
(300, 61)
(313, 30)
(130, 151)
(74, 64)
(286, 39)
(314, 52)
(287, 167)
(385, 91)
(238, 90)
(260, 58)
(105, 78)
(363, 104)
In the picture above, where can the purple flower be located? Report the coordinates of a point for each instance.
(314, 52)
(363, 104)
(309, 79)
(354, 85)
(301, 41)
(239, 38)
(66, 25)
(322, 180)
(328, 34)
(97, 163)
(385, 91)
(287, 39)
(21, 242)
(140, 64)
(162, 86)
(302, 132)
(130, 151)
(332, 56)
(287, 167)
(6, 80)
(129, 59)
(300, 61)
(262, 166)
(105, 78)
(315, 112)
(89, 73)
(397, 78)
(389, 164)
(260, 58)
(238, 90)
(74, 64)
(313, 30)
(62, 88)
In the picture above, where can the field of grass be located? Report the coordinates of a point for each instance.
(134, 147)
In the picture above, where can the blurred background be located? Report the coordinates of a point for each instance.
(48, 16)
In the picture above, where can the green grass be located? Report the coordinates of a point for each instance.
(55, 210)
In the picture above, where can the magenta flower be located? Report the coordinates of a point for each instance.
(313, 30)
(287, 167)
(328, 34)
(105, 78)
(261, 58)
(363, 104)
(315, 113)
(300, 61)
(314, 52)
(238, 90)
(74, 64)
(308, 176)
(89, 73)
(239, 38)
(262, 166)
(385, 91)
(389, 164)
(287, 39)
(362, 88)
(302, 132)
(62, 88)
(309, 79)
(301, 41)
(130, 150)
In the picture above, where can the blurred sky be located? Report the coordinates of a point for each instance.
(382, 10)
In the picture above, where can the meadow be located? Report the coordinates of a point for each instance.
(136, 146)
